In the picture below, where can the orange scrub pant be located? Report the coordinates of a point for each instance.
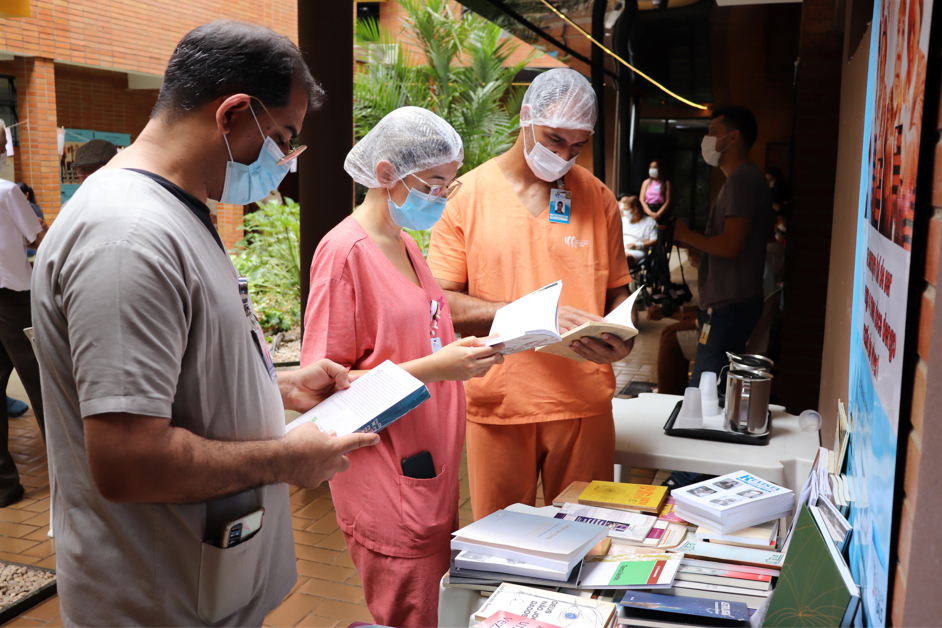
(506, 460)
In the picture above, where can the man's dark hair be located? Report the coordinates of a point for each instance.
(230, 57)
(740, 119)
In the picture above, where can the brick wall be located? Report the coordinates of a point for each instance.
(100, 100)
(917, 548)
(134, 35)
(814, 167)
(37, 161)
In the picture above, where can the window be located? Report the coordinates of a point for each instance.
(8, 112)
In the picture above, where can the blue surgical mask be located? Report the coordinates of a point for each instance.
(250, 183)
(418, 213)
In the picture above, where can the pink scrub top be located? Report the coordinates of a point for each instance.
(654, 195)
(362, 311)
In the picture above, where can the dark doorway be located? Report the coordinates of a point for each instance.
(676, 144)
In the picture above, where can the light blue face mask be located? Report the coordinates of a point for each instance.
(250, 183)
(419, 212)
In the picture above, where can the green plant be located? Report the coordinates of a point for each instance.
(455, 66)
(269, 256)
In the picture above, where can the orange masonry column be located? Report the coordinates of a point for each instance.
(38, 156)
(229, 223)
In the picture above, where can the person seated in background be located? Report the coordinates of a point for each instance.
(638, 231)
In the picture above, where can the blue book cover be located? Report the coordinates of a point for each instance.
(701, 607)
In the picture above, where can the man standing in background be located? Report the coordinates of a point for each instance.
(732, 251)
(19, 228)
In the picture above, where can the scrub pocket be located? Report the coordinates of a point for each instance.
(492, 388)
(427, 507)
(229, 578)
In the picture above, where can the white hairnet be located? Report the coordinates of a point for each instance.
(560, 98)
(412, 139)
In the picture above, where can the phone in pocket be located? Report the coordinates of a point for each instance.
(419, 466)
(241, 529)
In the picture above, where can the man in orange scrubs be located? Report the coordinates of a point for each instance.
(498, 241)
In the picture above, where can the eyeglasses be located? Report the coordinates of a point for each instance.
(292, 153)
(294, 149)
(441, 191)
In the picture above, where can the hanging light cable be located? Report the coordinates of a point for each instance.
(622, 61)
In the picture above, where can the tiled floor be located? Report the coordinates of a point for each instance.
(328, 593)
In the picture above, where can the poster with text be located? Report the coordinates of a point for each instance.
(893, 127)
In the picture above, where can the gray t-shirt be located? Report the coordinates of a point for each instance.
(136, 309)
(725, 281)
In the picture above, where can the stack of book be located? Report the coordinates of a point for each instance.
(523, 543)
(732, 502)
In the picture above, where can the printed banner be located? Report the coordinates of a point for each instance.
(892, 131)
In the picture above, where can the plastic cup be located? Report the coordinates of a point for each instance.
(809, 421)
(708, 396)
(691, 410)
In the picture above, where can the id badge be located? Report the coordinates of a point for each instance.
(560, 206)
(257, 334)
(705, 333)
(436, 344)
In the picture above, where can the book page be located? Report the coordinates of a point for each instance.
(370, 395)
(621, 315)
(536, 312)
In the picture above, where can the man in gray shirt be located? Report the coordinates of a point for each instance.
(732, 251)
(165, 418)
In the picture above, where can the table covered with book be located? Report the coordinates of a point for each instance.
(729, 550)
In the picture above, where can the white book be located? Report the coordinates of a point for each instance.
(718, 588)
(529, 322)
(723, 581)
(761, 535)
(549, 607)
(483, 562)
(736, 521)
(741, 497)
(713, 565)
(622, 524)
(552, 543)
(372, 402)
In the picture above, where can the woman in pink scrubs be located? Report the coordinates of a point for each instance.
(373, 299)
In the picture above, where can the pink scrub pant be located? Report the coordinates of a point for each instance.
(401, 592)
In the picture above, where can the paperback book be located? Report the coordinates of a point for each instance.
(698, 607)
(372, 403)
(557, 609)
(629, 571)
(635, 497)
(622, 525)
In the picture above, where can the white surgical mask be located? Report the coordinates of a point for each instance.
(544, 163)
(708, 150)
(652, 173)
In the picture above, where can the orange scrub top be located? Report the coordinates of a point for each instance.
(488, 239)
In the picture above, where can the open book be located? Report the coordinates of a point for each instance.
(617, 323)
(372, 402)
(529, 322)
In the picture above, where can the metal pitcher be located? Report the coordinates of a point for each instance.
(747, 402)
(750, 362)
